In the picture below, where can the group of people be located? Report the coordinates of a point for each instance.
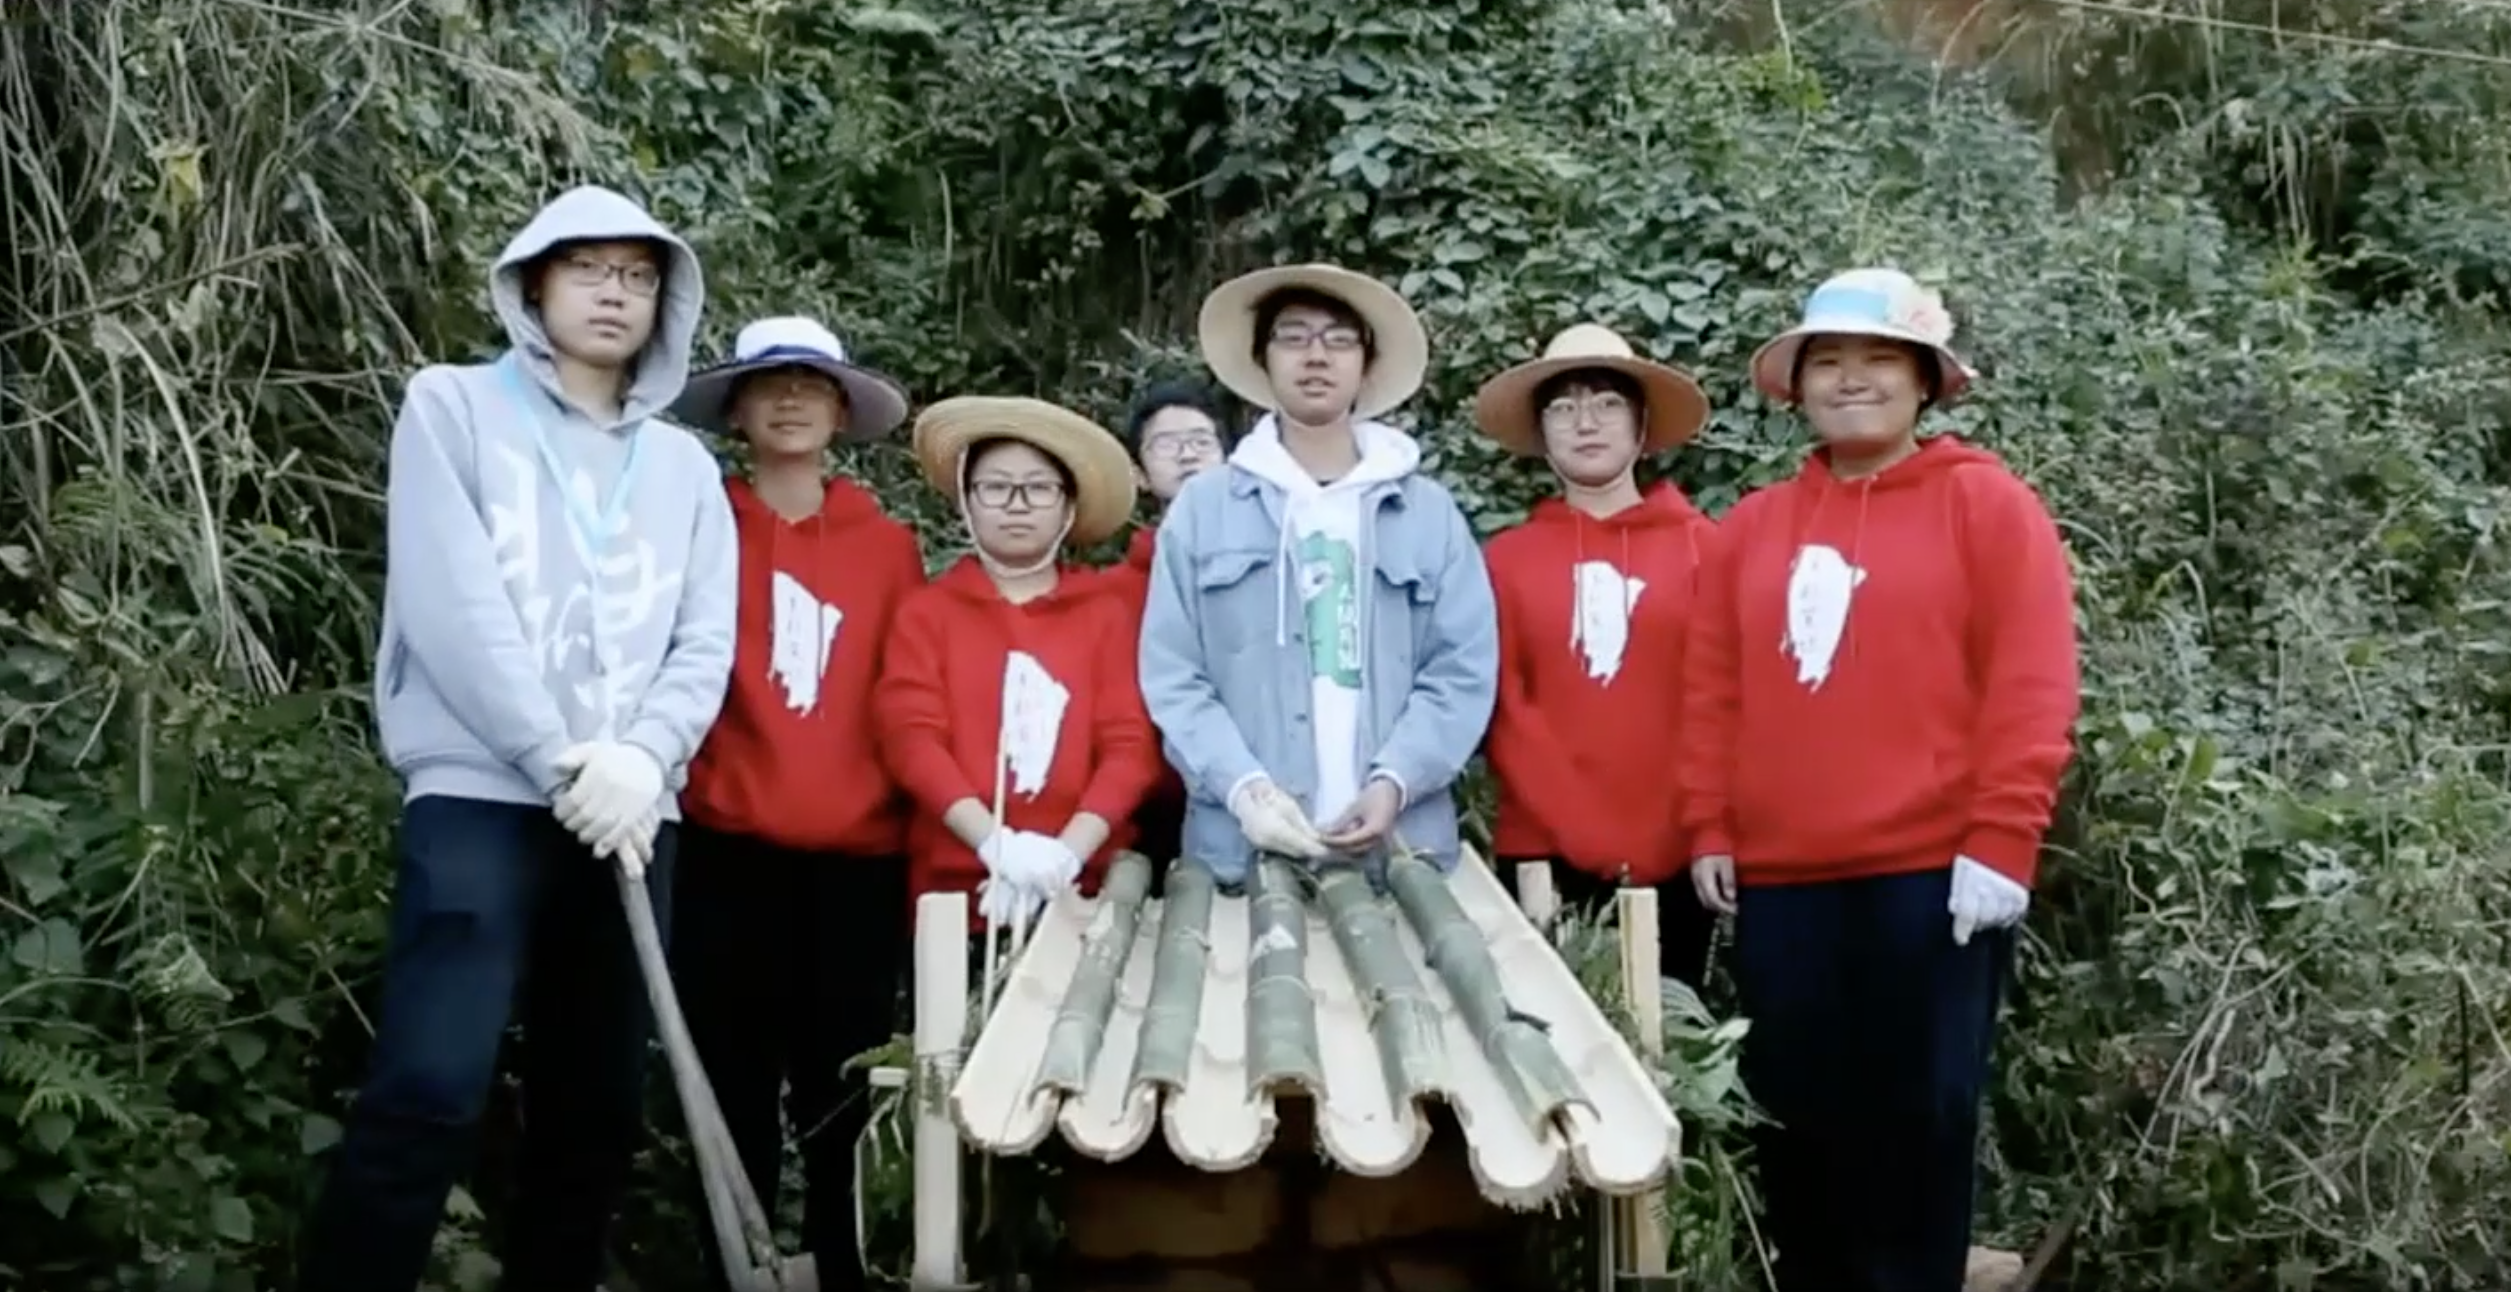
(1838, 714)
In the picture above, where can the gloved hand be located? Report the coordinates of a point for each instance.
(634, 847)
(1274, 822)
(1052, 865)
(615, 788)
(1983, 899)
(1008, 904)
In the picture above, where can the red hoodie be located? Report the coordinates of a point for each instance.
(940, 712)
(1933, 720)
(791, 760)
(1582, 736)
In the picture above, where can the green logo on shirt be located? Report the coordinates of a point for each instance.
(1326, 587)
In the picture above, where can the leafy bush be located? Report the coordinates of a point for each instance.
(2237, 302)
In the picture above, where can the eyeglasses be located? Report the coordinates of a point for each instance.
(997, 495)
(1604, 406)
(641, 277)
(1338, 337)
(1170, 447)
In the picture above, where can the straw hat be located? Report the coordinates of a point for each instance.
(1504, 407)
(1102, 474)
(1227, 332)
(1865, 302)
(875, 404)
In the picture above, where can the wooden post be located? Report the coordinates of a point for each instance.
(1535, 894)
(1642, 1226)
(941, 1026)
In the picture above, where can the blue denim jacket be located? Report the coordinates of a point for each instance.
(1224, 664)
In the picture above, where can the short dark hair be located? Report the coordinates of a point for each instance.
(1612, 379)
(1174, 394)
(1269, 311)
(980, 450)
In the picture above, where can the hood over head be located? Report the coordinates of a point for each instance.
(591, 213)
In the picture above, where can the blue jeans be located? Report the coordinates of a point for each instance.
(1869, 1046)
(497, 912)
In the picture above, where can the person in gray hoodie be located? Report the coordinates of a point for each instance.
(558, 631)
(1319, 649)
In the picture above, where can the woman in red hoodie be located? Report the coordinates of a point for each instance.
(1879, 700)
(1594, 593)
(790, 937)
(1008, 706)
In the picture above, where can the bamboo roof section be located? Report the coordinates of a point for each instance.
(1126, 1016)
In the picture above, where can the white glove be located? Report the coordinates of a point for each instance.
(613, 801)
(1007, 903)
(1051, 865)
(1983, 899)
(1273, 821)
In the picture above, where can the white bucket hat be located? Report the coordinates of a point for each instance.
(1226, 329)
(875, 404)
(1866, 302)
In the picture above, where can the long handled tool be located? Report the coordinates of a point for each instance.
(742, 1232)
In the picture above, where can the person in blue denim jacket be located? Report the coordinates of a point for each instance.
(1319, 648)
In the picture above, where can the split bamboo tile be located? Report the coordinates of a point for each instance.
(1190, 1016)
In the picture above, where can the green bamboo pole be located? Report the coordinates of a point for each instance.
(1080, 1027)
(1175, 1010)
(1400, 1015)
(1539, 1082)
(1281, 1013)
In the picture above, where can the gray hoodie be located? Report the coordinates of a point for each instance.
(521, 617)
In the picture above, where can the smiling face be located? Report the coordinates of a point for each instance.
(1591, 422)
(1314, 352)
(1178, 443)
(790, 412)
(1861, 393)
(1019, 501)
(598, 300)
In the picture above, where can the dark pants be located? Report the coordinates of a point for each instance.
(1684, 926)
(496, 910)
(789, 965)
(1870, 1044)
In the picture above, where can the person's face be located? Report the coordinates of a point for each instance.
(1177, 443)
(1017, 504)
(1590, 433)
(597, 300)
(1861, 393)
(1314, 362)
(790, 412)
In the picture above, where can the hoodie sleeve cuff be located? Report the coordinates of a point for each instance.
(1711, 841)
(2012, 853)
(1403, 793)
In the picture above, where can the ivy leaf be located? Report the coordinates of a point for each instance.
(52, 1131)
(52, 947)
(232, 1218)
(317, 1134)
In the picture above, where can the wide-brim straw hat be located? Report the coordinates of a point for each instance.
(875, 404)
(1102, 473)
(1504, 408)
(1866, 302)
(1226, 330)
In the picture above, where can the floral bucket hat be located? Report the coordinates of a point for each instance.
(1866, 302)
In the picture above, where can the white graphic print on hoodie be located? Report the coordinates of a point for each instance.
(1325, 552)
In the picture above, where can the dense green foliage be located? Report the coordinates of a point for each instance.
(2235, 279)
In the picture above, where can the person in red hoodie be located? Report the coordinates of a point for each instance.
(1175, 431)
(1008, 707)
(790, 937)
(1879, 700)
(1594, 593)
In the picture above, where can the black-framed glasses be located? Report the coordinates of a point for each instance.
(1337, 337)
(997, 495)
(641, 277)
